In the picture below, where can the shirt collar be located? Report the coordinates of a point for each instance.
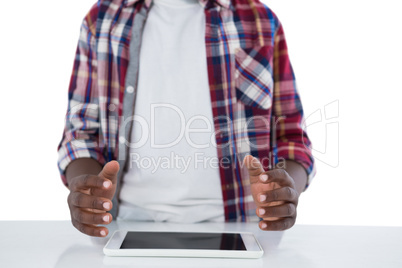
(223, 3)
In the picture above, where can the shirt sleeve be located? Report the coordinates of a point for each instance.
(292, 140)
(82, 136)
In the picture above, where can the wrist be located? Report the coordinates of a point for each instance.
(297, 172)
(82, 166)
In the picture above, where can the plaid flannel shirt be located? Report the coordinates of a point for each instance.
(251, 83)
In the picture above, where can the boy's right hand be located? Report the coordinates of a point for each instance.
(90, 199)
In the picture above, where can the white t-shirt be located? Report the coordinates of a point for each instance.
(180, 182)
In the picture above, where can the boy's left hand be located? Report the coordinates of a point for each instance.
(275, 195)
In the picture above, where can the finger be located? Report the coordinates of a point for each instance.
(87, 217)
(110, 171)
(90, 181)
(278, 225)
(81, 200)
(254, 167)
(281, 194)
(279, 176)
(281, 211)
(106, 193)
(91, 230)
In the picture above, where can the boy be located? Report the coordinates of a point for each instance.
(176, 110)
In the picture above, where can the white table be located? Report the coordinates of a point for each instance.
(58, 244)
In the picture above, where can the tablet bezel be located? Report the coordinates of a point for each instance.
(253, 248)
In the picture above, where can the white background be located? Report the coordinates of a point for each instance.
(343, 52)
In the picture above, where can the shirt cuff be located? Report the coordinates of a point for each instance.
(67, 152)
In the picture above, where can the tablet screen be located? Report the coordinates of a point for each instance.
(172, 240)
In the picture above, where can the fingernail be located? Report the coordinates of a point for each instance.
(261, 211)
(106, 184)
(264, 225)
(264, 177)
(263, 198)
(106, 205)
(103, 233)
(106, 218)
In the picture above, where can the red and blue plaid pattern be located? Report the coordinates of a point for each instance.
(250, 78)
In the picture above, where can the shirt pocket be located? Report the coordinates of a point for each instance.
(253, 76)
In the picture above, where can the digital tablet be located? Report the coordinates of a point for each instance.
(183, 244)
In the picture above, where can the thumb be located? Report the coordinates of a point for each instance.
(254, 167)
(110, 171)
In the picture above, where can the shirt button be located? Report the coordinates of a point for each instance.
(112, 107)
(130, 89)
(122, 139)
